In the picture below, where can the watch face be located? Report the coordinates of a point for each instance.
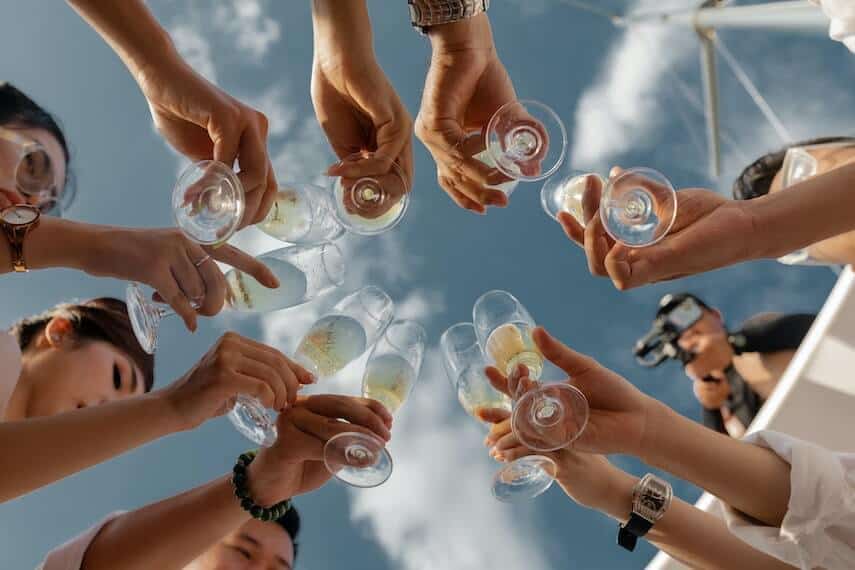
(653, 498)
(19, 215)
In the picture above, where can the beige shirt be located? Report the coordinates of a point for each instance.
(10, 369)
(70, 555)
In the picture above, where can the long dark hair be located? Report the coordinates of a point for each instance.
(104, 319)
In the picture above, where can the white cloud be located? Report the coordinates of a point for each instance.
(273, 102)
(436, 511)
(245, 21)
(195, 49)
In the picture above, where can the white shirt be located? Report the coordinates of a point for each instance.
(70, 555)
(818, 530)
(842, 16)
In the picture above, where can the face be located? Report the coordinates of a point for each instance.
(9, 193)
(710, 324)
(256, 545)
(839, 249)
(61, 377)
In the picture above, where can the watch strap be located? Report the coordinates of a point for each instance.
(427, 13)
(629, 533)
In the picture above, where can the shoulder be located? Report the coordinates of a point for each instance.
(10, 368)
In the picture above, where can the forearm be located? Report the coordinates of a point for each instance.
(809, 212)
(130, 29)
(692, 536)
(39, 451)
(750, 478)
(341, 31)
(177, 530)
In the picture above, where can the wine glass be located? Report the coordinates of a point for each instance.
(371, 205)
(392, 370)
(208, 202)
(464, 362)
(637, 207)
(343, 334)
(549, 416)
(302, 213)
(524, 140)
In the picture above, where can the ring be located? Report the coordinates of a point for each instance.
(203, 260)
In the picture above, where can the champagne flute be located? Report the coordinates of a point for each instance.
(392, 370)
(464, 362)
(371, 205)
(208, 202)
(302, 213)
(525, 140)
(637, 207)
(549, 416)
(342, 335)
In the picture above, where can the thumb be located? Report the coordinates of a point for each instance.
(226, 141)
(493, 415)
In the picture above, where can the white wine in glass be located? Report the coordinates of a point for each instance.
(464, 362)
(361, 460)
(352, 326)
(302, 214)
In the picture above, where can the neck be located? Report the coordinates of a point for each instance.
(16, 405)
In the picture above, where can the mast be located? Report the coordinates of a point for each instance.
(712, 15)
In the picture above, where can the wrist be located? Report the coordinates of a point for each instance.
(660, 421)
(268, 485)
(341, 32)
(469, 34)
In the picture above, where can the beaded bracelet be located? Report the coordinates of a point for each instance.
(240, 481)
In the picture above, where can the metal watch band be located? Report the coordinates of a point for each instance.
(426, 13)
(17, 244)
(629, 533)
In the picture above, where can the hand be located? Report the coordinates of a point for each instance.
(169, 262)
(359, 110)
(295, 463)
(713, 354)
(465, 85)
(202, 122)
(703, 218)
(620, 414)
(711, 395)
(590, 480)
(235, 366)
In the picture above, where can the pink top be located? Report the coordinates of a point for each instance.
(70, 555)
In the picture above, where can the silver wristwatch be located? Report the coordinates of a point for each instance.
(427, 13)
(651, 497)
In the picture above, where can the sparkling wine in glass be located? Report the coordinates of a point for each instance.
(638, 207)
(302, 214)
(208, 202)
(392, 370)
(341, 336)
(374, 204)
(524, 478)
(549, 416)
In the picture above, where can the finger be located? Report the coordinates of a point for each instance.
(405, 160)
(498, 380)
(493, 415)
(379, 409)
(226, 138)
(515, 384)
(597, 245)
(323, 428)
(255, 388)
(268, 197)
(358, 411)
(572, 228)
(591, 197)
(564, 357)
(253, 160)
(264, 372)
(230, 255)
(478, 193)
(189, 280)
(285, 368)
(498, 430)
(172, 294)
(618, 265)
(213, 281)
(507, 441)
(459, 198)
(512, 454)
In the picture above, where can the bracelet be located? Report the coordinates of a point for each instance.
(240, 482)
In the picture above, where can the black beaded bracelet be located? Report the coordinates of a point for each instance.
(240, 481)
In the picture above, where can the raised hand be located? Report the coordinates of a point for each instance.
(235, 366)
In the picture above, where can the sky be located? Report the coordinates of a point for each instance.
(627, 98)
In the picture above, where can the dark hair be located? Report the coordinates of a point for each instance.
(290, 521)
(105, 319)
(671, 300)
(757, 177)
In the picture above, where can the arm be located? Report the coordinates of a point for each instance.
(58, 446)
(193, 115)
(180, 528)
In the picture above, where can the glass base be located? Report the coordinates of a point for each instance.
(144, 316)
(373, 204)
(524, 479)
(358, 460)
(208, 202)
(638, 207)
(550, 417)
(253, 421)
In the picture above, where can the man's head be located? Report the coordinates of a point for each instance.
(256, 545)
(769, 173)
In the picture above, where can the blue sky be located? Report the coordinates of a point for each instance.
(618, 94)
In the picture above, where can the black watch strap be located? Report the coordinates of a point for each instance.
(629, 533)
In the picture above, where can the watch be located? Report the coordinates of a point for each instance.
(651, 497)
(426, 13)
(17, 221)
